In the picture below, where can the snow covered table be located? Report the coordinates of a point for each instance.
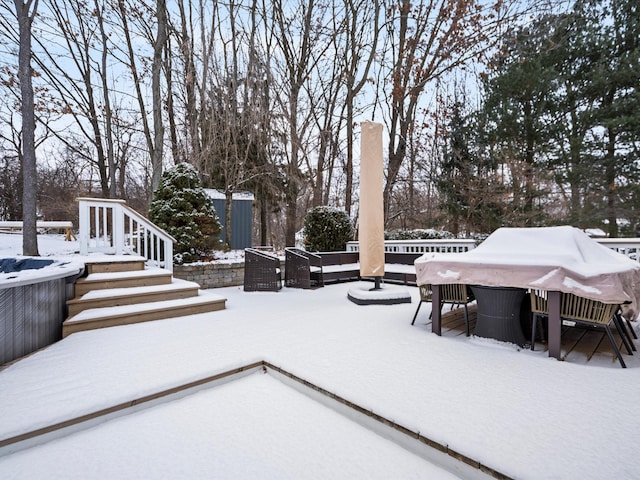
(555, 259)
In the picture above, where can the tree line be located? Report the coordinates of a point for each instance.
(556, 137)
(266, 95)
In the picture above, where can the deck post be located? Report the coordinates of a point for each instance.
(555, 325)
(436, 322)
(84, 223)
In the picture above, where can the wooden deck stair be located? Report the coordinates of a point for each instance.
(124, 292)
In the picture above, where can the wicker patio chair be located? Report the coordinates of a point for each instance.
(302, 269)
(455, 294)
(581, 311)
(261, 271)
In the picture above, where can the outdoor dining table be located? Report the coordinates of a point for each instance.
(498, 313)
(508, 333)
(555, 259)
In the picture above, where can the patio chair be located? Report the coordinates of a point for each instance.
(539, 310)
(455, 294)
(625, 321)
(261, 271)
(581, 311)
(302, 269)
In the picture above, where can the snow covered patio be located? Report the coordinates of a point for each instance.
(519, 412)
(516, 411)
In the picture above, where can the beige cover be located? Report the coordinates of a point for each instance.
(561, 259)
(371, 226)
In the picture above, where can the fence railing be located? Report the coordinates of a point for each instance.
(111, 227)
(421, 246)
(626, 246)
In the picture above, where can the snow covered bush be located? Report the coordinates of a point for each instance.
(418, 234)
(327, 229)
(181, 207)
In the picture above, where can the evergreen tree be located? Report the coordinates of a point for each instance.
(183, 209)
(613, 89)
(518, 97)
(456, 170)
(564, 100)
(471, 195)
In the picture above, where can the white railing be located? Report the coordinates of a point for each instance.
(111, 227)
(626, 246)
(421, 246)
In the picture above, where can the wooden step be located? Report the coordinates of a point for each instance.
(112, 297)
(139, 278)
(110, 263)
(94, 318)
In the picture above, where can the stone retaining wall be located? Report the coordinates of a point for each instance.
(211, 275)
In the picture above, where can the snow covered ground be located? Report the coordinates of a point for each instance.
(517, 411)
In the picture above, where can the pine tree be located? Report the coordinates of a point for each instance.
(183, 209)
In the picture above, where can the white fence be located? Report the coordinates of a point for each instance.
(421, 246)
(627, 246)
(111, 227)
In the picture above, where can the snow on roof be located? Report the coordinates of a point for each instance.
(219, 195)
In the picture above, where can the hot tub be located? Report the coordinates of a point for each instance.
(33, 296)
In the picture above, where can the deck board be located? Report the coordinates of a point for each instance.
(579, 345)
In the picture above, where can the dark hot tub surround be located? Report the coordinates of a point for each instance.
(33, 295)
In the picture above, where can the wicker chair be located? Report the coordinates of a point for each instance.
(575, 310)
(455, 294)
(302, 269)
(261, 271)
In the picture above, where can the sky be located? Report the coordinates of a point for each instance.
(517, 411)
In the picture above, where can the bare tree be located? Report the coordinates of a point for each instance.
(362, 31)
(71, 68)
(25, 13)
(159, 46)
(426, 40)
(296, 29)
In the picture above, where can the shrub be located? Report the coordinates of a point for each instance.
(418, 234)
(327, 229)
(182, 208)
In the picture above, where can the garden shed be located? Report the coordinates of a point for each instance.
(241, 217)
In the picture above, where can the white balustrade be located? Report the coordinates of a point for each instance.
(421, 246)
(626, 246)
(112, 227)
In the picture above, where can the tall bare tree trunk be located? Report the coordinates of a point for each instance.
(25, 13)
(156, 71)
(111, 164)
(192, 113)
(610, 176)
(355, 12)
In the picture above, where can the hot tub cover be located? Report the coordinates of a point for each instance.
(27, 270)
(11, 265)
(561, 259)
